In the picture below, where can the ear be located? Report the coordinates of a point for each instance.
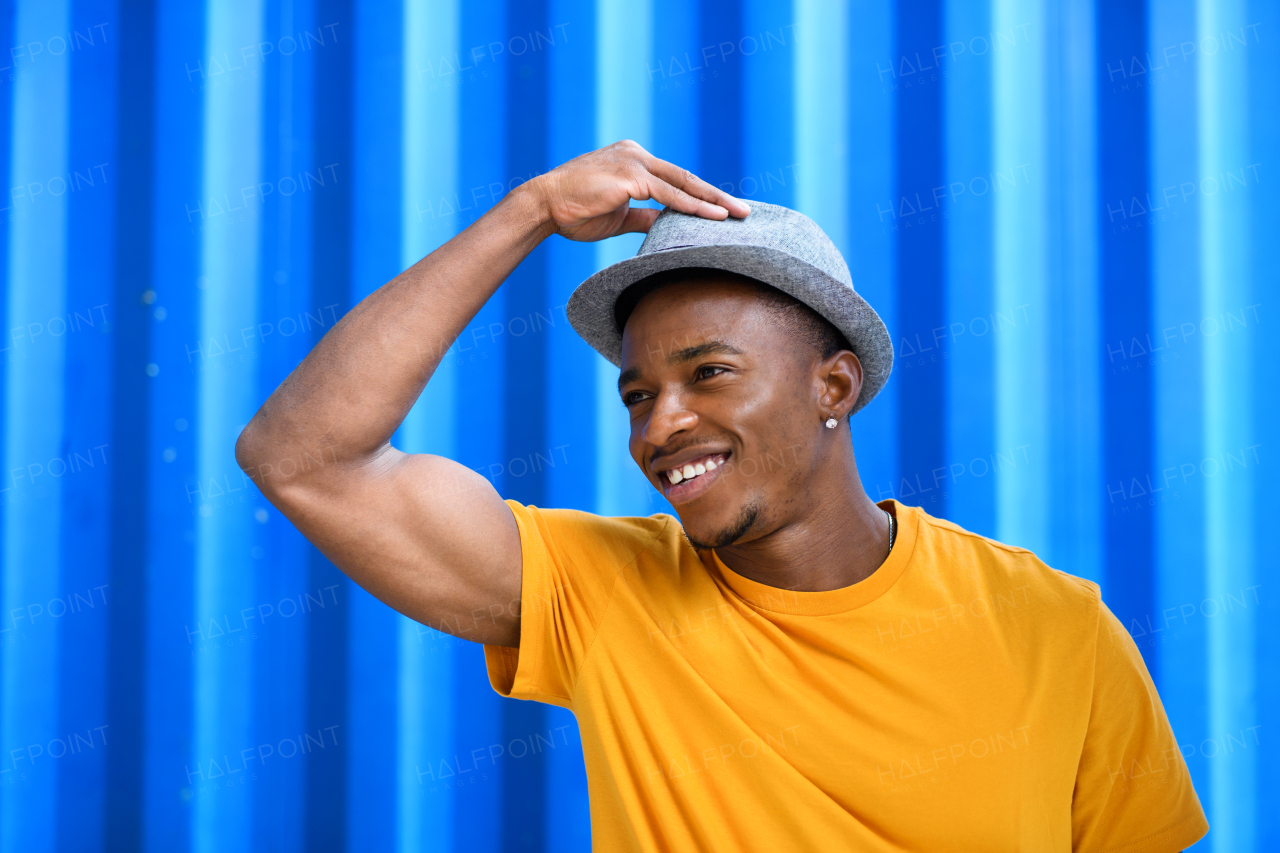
(839, 382)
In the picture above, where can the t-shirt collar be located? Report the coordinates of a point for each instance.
(828, 602)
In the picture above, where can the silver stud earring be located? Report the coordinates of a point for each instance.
(831, 422)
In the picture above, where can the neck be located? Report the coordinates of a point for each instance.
(841, 538)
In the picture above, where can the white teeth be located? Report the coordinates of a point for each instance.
(691, 470)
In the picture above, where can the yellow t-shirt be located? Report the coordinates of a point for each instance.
(963, 697)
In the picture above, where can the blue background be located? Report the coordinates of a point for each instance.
(1065, 213)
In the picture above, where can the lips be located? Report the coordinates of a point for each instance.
(686, 481)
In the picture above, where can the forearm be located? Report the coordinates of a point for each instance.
(348, 396)
(426, 535)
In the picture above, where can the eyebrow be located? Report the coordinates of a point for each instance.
(683, 356)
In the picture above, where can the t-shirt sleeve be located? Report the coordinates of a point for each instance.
(1133, 791)
(571, 561)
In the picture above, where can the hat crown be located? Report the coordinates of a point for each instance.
(769, 226)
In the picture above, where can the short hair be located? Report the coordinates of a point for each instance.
(800, 321)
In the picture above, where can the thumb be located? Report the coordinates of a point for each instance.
(639, 219)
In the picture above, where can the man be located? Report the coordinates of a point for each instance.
(790, 666)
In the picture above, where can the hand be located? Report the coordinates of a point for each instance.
(589, 198)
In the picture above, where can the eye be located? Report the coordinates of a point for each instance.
(630, 399)
(701, 372)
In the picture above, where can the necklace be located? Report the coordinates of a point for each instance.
(893, 527)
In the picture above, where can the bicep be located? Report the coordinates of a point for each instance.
(425, 535)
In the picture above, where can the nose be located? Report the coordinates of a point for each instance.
(668, 417)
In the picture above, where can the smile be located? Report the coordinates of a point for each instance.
(690, 479)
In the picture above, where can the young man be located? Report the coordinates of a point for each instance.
(789, 666)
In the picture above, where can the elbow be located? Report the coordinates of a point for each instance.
(252, 449)
(286, 473)
(247, 448)
(258, 456)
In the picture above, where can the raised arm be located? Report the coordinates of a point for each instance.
(424, 534)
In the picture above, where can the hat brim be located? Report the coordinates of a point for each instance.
(590, 308)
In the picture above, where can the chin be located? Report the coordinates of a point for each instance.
(704, 534)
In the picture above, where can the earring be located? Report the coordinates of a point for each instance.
(831, 422)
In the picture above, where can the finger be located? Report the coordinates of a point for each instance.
(688, 182)
(677, 199)
(638, 219)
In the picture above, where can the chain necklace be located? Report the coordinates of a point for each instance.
(893, 527)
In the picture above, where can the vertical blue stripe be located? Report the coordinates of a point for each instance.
(1019, 153)
(767, 52)
(483, 392)
(229, 265)
(330, 257)
(969, 202)
(175, 637)
(430, 162)
(922, 403)
(34, 434)
(425, 748)
(7, 142)
(872, 243)
(1176, 366)
(1264, 142)
(1070, 471)
(721, 113)
(86, 538)
(373, 643)
(130, 543)
(571, 364)
(820, 168)
(526, 72)
(624, 110)
(278, 210)
(1226, 234)
(677, 78)
(1125, 287)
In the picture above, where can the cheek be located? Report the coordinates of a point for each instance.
(774, 419)
(783, 446)
(636, 444)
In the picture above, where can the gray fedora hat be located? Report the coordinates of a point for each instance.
(775, 245)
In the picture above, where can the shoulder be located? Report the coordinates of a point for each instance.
(610, 539)
(1000, 566)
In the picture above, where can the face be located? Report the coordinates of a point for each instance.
(717, 390)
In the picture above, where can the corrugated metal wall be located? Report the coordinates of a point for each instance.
(1064, 212)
